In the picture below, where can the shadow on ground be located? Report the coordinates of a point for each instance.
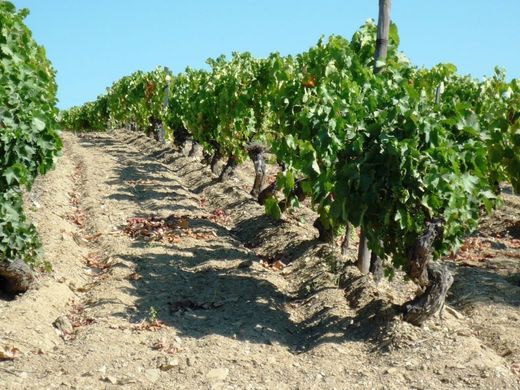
(236, 299)
(474, 285)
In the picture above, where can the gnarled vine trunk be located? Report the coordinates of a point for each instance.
(156, 129)
(206, 157)
(215, 159)
(196, 149)
(325, 234)
(425, 305)
(256, 153)
(433, 276)
(345, 244)
(364, 254)
(376, 267)
(180, 136)
(229, 169)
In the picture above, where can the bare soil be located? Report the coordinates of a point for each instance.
(219, 296)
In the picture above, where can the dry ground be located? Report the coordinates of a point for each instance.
(201, 309)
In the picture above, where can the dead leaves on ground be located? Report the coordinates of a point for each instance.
(78, 218)
(271, 263)
(78, 317)
(219, 217)
(475, 250)
(168, 230)
(93, 260)
(66, 325)
(275, 266)
(150, 325)
(163, 345)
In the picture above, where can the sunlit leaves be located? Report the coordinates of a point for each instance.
(29, 141)
(387, 152)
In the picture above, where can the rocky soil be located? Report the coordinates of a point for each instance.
(164, 278)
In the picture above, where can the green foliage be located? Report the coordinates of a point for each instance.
(386, 152)
(29, 141)
(137, 99)
(225, 108)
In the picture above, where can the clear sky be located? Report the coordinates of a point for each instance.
(94, 42)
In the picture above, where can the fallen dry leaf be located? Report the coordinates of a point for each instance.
(170, 229)
(278, 265)
(164, 346)
(513, 243)
(93, 260)
(471, 250)
(273, 265)
(152, 326)
(9, 353)
(219, 217)
(78, 218)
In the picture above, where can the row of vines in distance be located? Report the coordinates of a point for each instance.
(393, 154)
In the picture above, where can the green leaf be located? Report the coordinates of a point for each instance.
(38, 124)
(15, 174)
(272, 208)
(315, 166)
(393, 34)
(289, 140)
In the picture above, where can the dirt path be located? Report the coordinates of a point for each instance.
(201, 311)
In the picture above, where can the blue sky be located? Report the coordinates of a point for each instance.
(94, 42)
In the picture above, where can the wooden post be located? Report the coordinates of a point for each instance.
(438, 92)
(364, 254)
(383, 29)
(161, 134)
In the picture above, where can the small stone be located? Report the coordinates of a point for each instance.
(103, 370)
(152, 374)
(63, 324)
(168, 364)
(217, 374)
(111, 379)
(464, 332)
